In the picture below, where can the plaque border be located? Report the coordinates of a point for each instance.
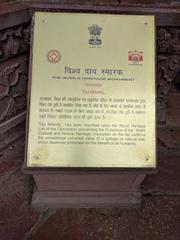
(87, 170)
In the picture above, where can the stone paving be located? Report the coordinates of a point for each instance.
(158, 218)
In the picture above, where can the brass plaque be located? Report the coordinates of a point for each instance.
(92, 91)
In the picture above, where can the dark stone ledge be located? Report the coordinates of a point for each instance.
(13, 14)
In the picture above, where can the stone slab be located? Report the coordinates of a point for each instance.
(167, 180)
(154, 221)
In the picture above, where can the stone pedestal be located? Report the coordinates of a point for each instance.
(87, 189)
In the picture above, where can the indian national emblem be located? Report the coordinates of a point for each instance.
(95, 32)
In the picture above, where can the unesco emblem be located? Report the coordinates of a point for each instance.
(54, 56)
(95, 32)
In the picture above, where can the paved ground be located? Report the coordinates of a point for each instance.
(159, 217)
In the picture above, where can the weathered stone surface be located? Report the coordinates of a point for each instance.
(167, 68)
(14, 41)
(167, 180)
(138, 2)
(168, 139)
(13, 14)
(12, 180)
(16, 215)
(154, 221)
(173, 110)
(9, 137)
(13, 87)
(65, 225)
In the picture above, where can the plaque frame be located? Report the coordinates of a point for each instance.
(61, 196)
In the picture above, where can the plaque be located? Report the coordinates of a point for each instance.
(92, 91)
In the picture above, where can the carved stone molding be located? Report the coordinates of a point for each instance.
(168, 40)
(13, 88)
(168, 65)
(14, 41)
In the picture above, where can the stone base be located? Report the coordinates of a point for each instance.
(87, 199)
(90, 190)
